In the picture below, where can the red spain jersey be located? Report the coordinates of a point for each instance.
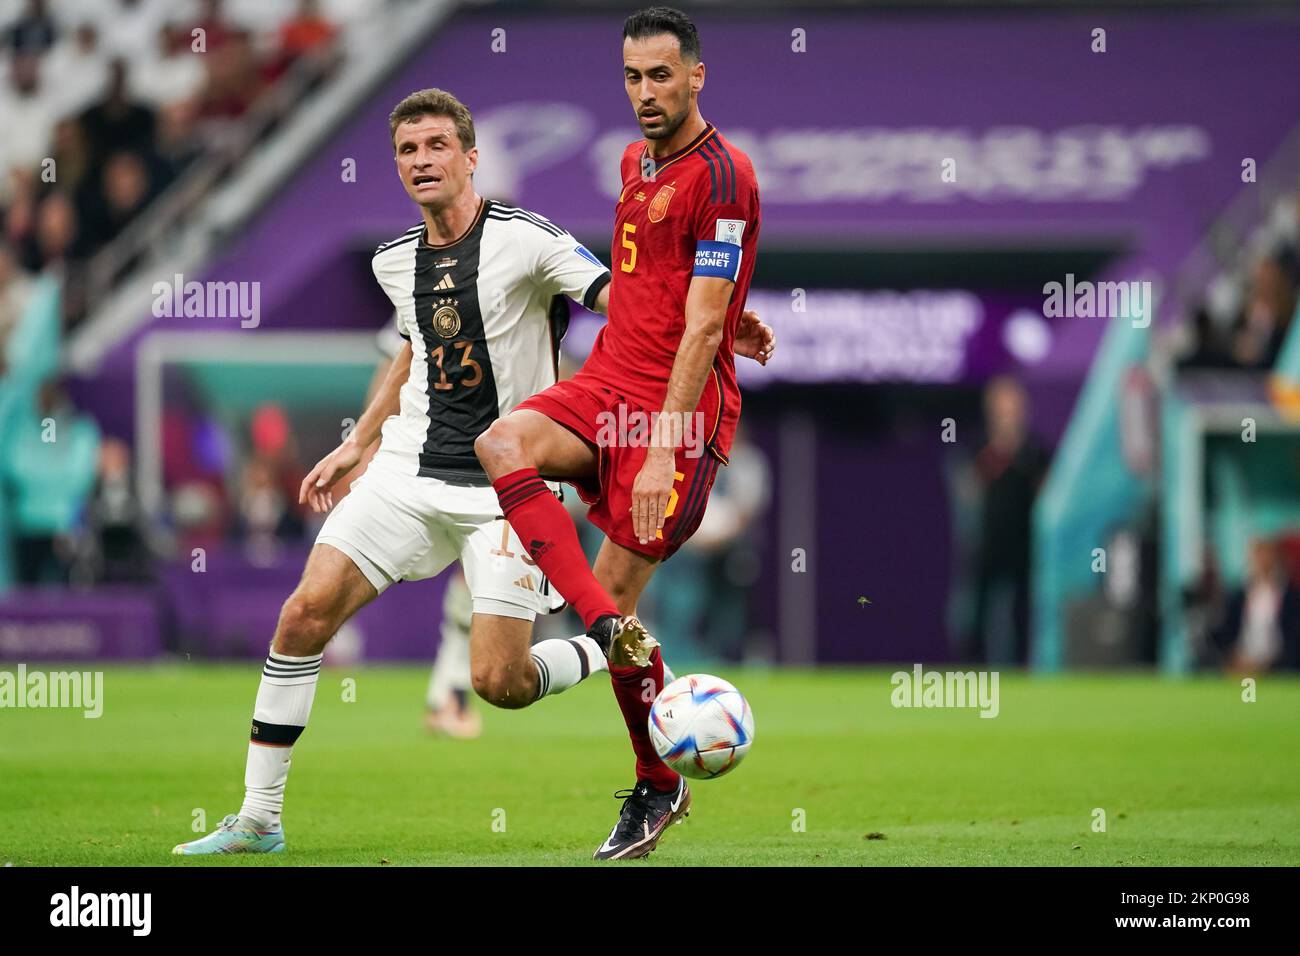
(694, 212)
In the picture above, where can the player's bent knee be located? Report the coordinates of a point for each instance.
(502, 689)
(305, 626)
(501, 446)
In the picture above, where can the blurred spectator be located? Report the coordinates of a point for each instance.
(268, 509)
(118, 123)
(81, 66)
(33, 32)
(71, 158)
(1261, 624)
(55, 237)
(217, 30)
(48, 471)
(1209, 345)
(306, 32)
(178, 146)
(1247, 312)
(1269, 305)
(447, 701)
(198, 513)
(56, 251)
(273, 447)
(29, 112)
(125, 190)
(1005, 479)
(265, 511)
(130, 26)
(307, 35)
(120, 552)
(234, 78)
(702, 595)
(196, 458)
(15, 290)
(175, 74)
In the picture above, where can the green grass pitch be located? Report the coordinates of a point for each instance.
(1186, 772)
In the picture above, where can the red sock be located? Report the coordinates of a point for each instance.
(551, 540)
(634, 699)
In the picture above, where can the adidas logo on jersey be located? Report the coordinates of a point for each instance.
(446, 282)
(526, 582)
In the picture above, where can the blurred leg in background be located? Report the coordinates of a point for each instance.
(448, 701)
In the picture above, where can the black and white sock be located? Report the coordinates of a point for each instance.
(563, 662)
(280, 715)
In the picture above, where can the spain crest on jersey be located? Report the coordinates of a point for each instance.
(659, 205)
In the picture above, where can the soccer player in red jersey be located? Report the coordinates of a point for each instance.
(643, 427)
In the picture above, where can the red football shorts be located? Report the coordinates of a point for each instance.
(595, 414)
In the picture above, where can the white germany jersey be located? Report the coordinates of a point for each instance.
(485, 315)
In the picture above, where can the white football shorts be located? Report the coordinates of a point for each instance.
(401, 527)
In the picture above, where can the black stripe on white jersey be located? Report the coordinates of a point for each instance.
(461, 387)
(410, 235)
(506, 213)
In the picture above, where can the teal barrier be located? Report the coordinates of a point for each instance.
(1089, 490)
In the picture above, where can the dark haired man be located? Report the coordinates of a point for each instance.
(686, 231)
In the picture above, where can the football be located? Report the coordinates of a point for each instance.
(701, 726)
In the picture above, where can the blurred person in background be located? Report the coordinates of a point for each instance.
(80, 65)
(234, 79)
(119, 547)
(1002, 482)
(704, 593)
(53, 242)
(30, 111)
(15, 292)
(47, 471)
(57, 252)
(1270, 303)
(273, 444)
(118, 122)
(76, 177)
(125, 190)
(264, 516)
(217, 29)
(447, 703)
(1260, 630)
(175, 74)
(178, 145)
(128, 27)
(196, 459)
(267, 504)
(35, 31)
(307, 36)
(1246, 314)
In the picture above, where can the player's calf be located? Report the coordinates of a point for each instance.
(507, 671)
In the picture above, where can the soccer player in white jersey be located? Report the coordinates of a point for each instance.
(477, 289)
